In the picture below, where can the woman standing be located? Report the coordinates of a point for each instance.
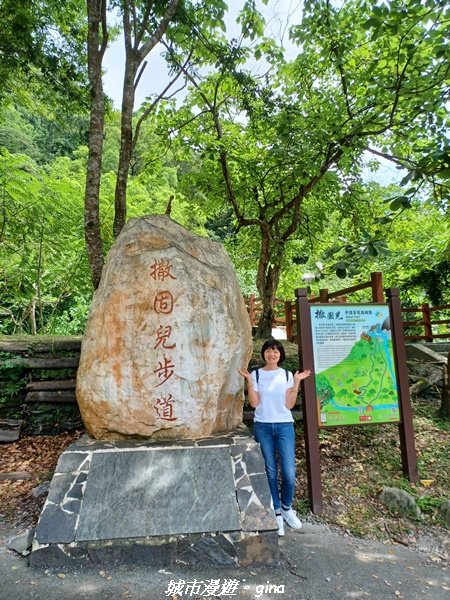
(272, 392)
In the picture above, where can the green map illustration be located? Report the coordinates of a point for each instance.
(360, 388)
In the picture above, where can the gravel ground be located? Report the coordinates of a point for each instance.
(317, 564)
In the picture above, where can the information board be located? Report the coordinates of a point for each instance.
(354, 364)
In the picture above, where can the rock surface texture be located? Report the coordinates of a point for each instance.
(166, 332)
(179, 502)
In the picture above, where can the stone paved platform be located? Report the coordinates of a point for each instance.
(159, 503)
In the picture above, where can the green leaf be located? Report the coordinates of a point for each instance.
(396, 204)
(372, 22)
(410, 191)
(341, 270)
(371, 249)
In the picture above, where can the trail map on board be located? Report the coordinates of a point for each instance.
(354, 364)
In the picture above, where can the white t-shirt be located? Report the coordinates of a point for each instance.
(271, 387)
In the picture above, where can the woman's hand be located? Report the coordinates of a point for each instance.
(245, 373)
(291, 393)
(253, 397)
(300, 376)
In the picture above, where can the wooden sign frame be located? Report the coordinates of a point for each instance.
(310, 413)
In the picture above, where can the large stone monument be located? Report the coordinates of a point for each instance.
(168, 472)
(166, 332)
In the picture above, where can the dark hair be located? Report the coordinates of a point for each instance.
(273, 343)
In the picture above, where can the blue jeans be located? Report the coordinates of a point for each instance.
(278, 438)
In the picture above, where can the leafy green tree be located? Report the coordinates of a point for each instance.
(43, 265)
(16, 134)
(408, 245)
(42, 132)
(143, 24)
(43, 40)
(273, 149)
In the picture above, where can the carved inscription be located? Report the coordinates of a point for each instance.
(163, 304)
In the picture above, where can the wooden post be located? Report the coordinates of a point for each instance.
(323, 295)
(407, 445)
(376, 282)
(309, 397)
(289, 321)
(445, 397)
(251, 310)
(427, 321)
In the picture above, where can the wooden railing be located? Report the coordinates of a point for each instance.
(426, 323)
(285, 310)
(254, 308)
(375, 285)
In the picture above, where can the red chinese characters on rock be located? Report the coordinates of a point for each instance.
(163, 304)
(161, 269)
(162, 336)
(165, 370)
(164, 408)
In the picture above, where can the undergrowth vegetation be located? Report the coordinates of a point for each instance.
(357, 462)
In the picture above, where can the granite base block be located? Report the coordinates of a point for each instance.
(261, 549)
(142, 502)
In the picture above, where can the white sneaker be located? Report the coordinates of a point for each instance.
(280, 524)
(290, 516)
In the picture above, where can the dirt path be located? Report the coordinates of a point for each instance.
(318, 564)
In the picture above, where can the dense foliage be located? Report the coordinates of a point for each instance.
(273, 165)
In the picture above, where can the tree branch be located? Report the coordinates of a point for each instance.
(160, 30)
(139, 75)
(405, 163)
(144, 22)
(148, 110)
(105, 32)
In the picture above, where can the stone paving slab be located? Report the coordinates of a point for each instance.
(158, 492)
(316, 564)
(205, 500)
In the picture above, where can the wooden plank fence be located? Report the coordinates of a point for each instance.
(426, 327)
(285, 310)
(430, 327)
(36, 375)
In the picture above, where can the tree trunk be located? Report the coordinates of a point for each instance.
(126, 146)
(268, 297)
(96, 19)
(135, 55)
(38, 279)
(267, 283)
(33, 316)
(264, 329)
(444, 411)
